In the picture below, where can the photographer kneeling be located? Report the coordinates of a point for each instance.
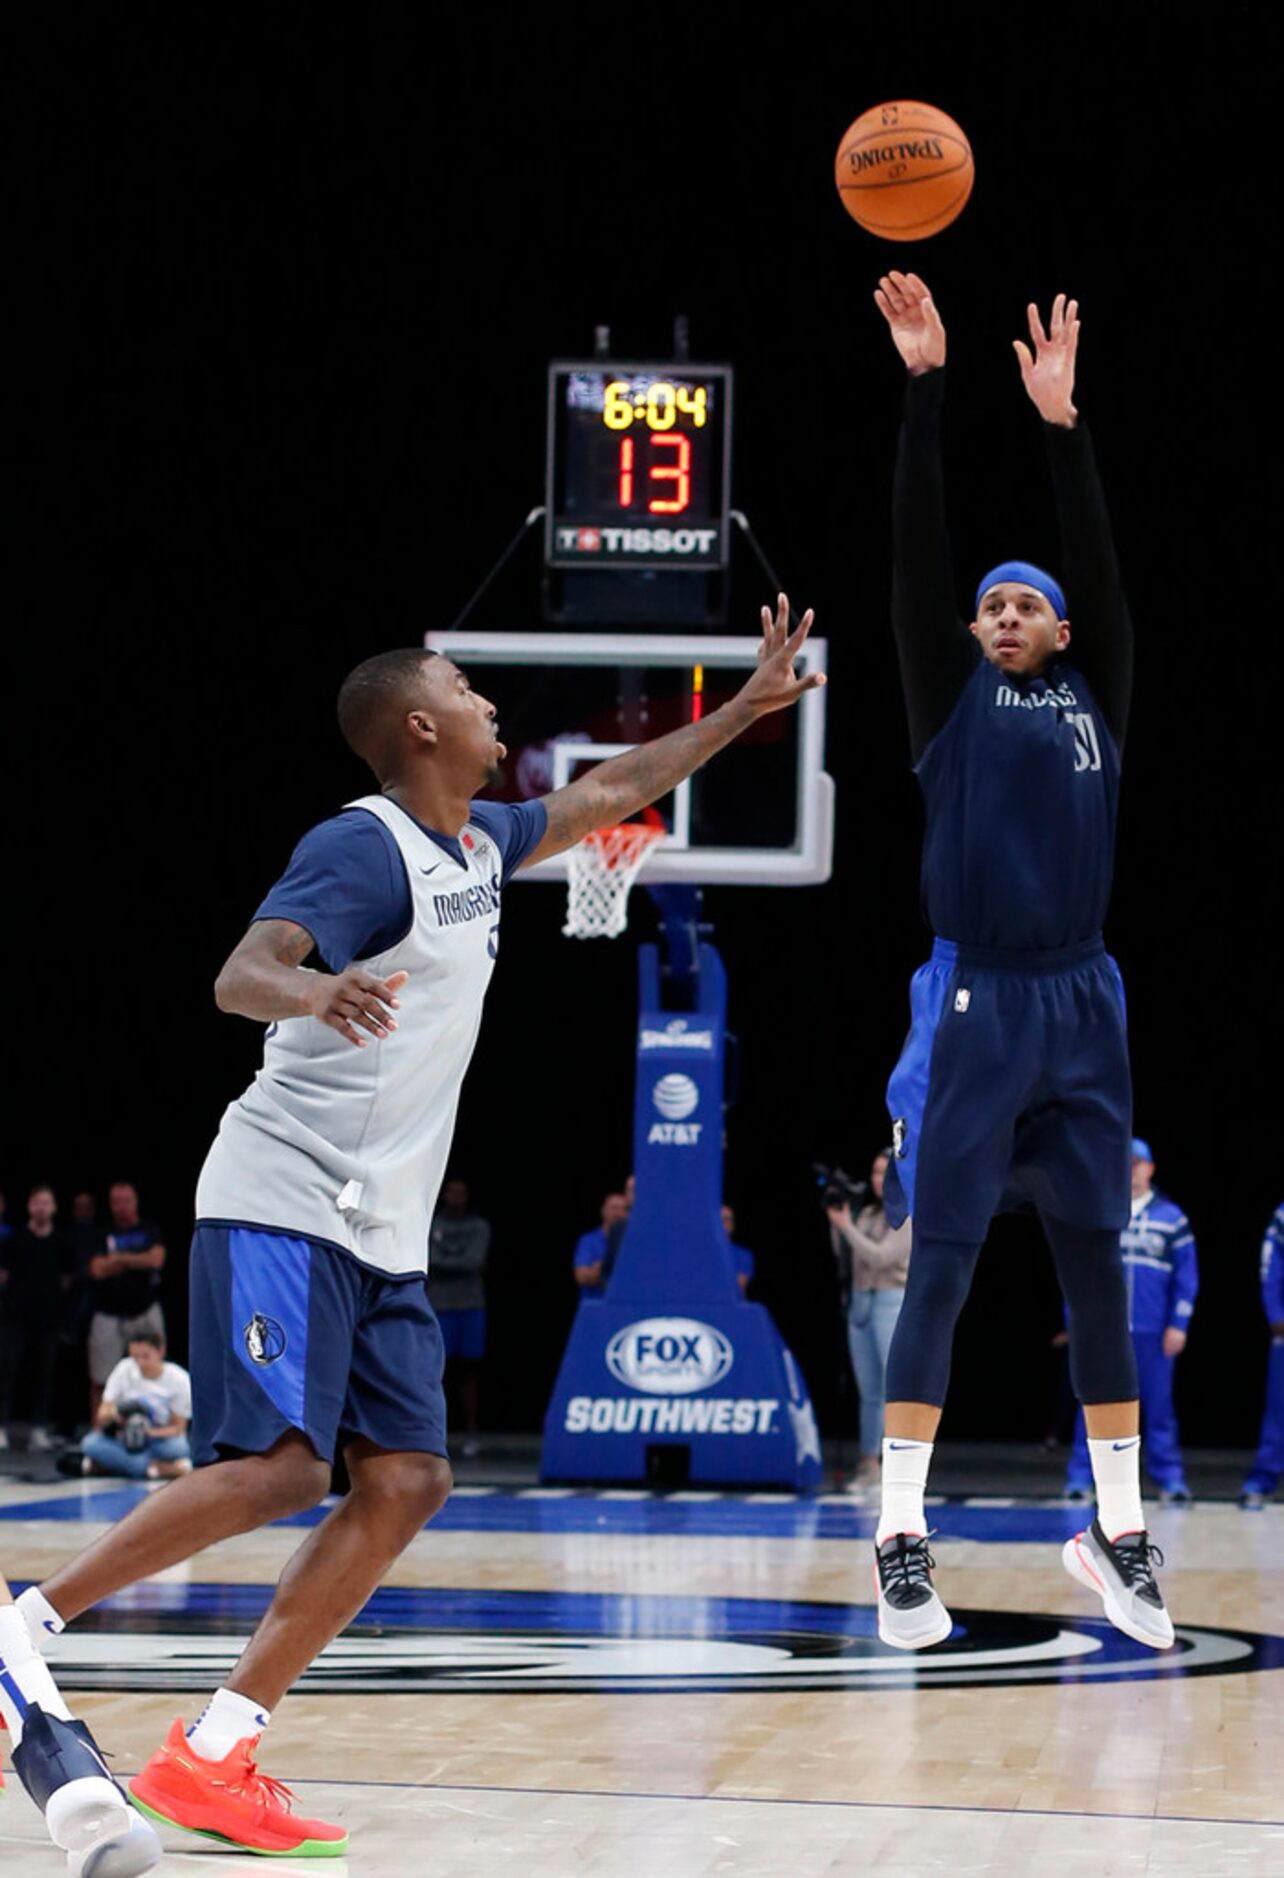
(873, 1260)
(143, 1416)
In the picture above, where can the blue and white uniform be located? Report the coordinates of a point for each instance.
(1162, 1273)
(315, 1202)
(1269, 1464)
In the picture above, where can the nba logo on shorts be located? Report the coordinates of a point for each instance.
(962, 999)
(264, 1340)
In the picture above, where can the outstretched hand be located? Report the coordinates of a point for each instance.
(775, 684)
(916, 327)
(1048, 372)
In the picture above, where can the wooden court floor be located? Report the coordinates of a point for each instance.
(564, 1683)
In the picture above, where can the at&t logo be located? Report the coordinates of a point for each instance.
(676, 1096)
(669, 1355)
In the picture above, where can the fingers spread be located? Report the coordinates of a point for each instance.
(1025, 358)
(1037, 333)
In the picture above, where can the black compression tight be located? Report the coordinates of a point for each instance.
(1103, 1367)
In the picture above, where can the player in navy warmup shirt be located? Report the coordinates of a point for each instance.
(1013, 1088)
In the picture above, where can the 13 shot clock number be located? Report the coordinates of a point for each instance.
(638, 460)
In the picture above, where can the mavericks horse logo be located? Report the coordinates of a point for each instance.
(264, 1340)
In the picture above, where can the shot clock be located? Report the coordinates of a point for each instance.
(638, 466)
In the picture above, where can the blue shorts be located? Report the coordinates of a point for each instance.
(463, 1333)
(1012, 1091)
(288, 1333)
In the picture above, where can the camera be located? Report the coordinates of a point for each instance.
(838, 1188)
(135, 1426)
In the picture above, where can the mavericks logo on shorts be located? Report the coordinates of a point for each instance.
(899, 1132)
(264, 1340)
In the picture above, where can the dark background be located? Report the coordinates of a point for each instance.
(288, 283)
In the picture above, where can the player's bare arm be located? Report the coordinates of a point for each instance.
(917, 330)
(1048, 372)
(263, 979)
(624, 784)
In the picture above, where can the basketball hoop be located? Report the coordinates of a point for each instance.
(599, 872)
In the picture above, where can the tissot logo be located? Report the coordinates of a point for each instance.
(697, 543)
(669, 1355)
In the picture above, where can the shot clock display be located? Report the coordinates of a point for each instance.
(638, 459)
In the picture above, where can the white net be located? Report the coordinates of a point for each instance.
(599, 872)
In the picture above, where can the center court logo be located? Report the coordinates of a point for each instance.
(669, 1355)
(264, 1340)
(457, 1641)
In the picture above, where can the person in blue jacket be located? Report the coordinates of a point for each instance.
(1269, 1465)
(1162, 1274)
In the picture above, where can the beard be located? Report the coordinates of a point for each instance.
(494, 776)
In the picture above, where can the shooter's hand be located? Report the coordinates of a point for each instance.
(917, 332)
(775, 684)
(1048, 372)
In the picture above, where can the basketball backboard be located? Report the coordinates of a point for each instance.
(761, 814)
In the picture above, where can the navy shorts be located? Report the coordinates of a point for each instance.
(289, 1333)
(1012, 1091)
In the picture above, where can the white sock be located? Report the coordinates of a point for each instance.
(42, 1619)
(1116, 1468)
(226, 1719)
(905, 1465)
(24, 1675)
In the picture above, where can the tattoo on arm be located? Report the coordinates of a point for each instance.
(261, 978)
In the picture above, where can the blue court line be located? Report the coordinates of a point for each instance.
(729, 1517)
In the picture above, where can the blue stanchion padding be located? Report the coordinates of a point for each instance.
(672, 1355)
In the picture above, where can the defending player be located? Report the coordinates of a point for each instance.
(58, 1762)
(311, 1328)
(1013, 1086)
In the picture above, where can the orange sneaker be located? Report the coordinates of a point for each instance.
(229, 1800)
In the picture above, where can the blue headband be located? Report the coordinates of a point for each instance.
(1029, 576)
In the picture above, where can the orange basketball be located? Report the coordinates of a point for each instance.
(904, 170)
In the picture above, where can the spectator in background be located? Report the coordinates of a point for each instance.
(873, 1261)
(458, 1247)
(743, 1257)
(125, 1281)
(35, 1274)
(1269, 1464)
(590, 1265)
(5, 1227)
(143, 1416)
(1162, 1273)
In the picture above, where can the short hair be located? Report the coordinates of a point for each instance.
(42, 1186)
(146, 1336)
(373, 696)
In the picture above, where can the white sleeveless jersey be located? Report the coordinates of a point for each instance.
(348, 1145)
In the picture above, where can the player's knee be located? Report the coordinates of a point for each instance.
(407, 1489)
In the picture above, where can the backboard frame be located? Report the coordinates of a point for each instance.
(808, 862)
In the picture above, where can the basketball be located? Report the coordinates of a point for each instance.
(904, 170)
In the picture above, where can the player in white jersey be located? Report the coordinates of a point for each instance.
(311, 1328)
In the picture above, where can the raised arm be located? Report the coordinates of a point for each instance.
(624, 784)
(935, 651)
(1101, 637)
(263, 979)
